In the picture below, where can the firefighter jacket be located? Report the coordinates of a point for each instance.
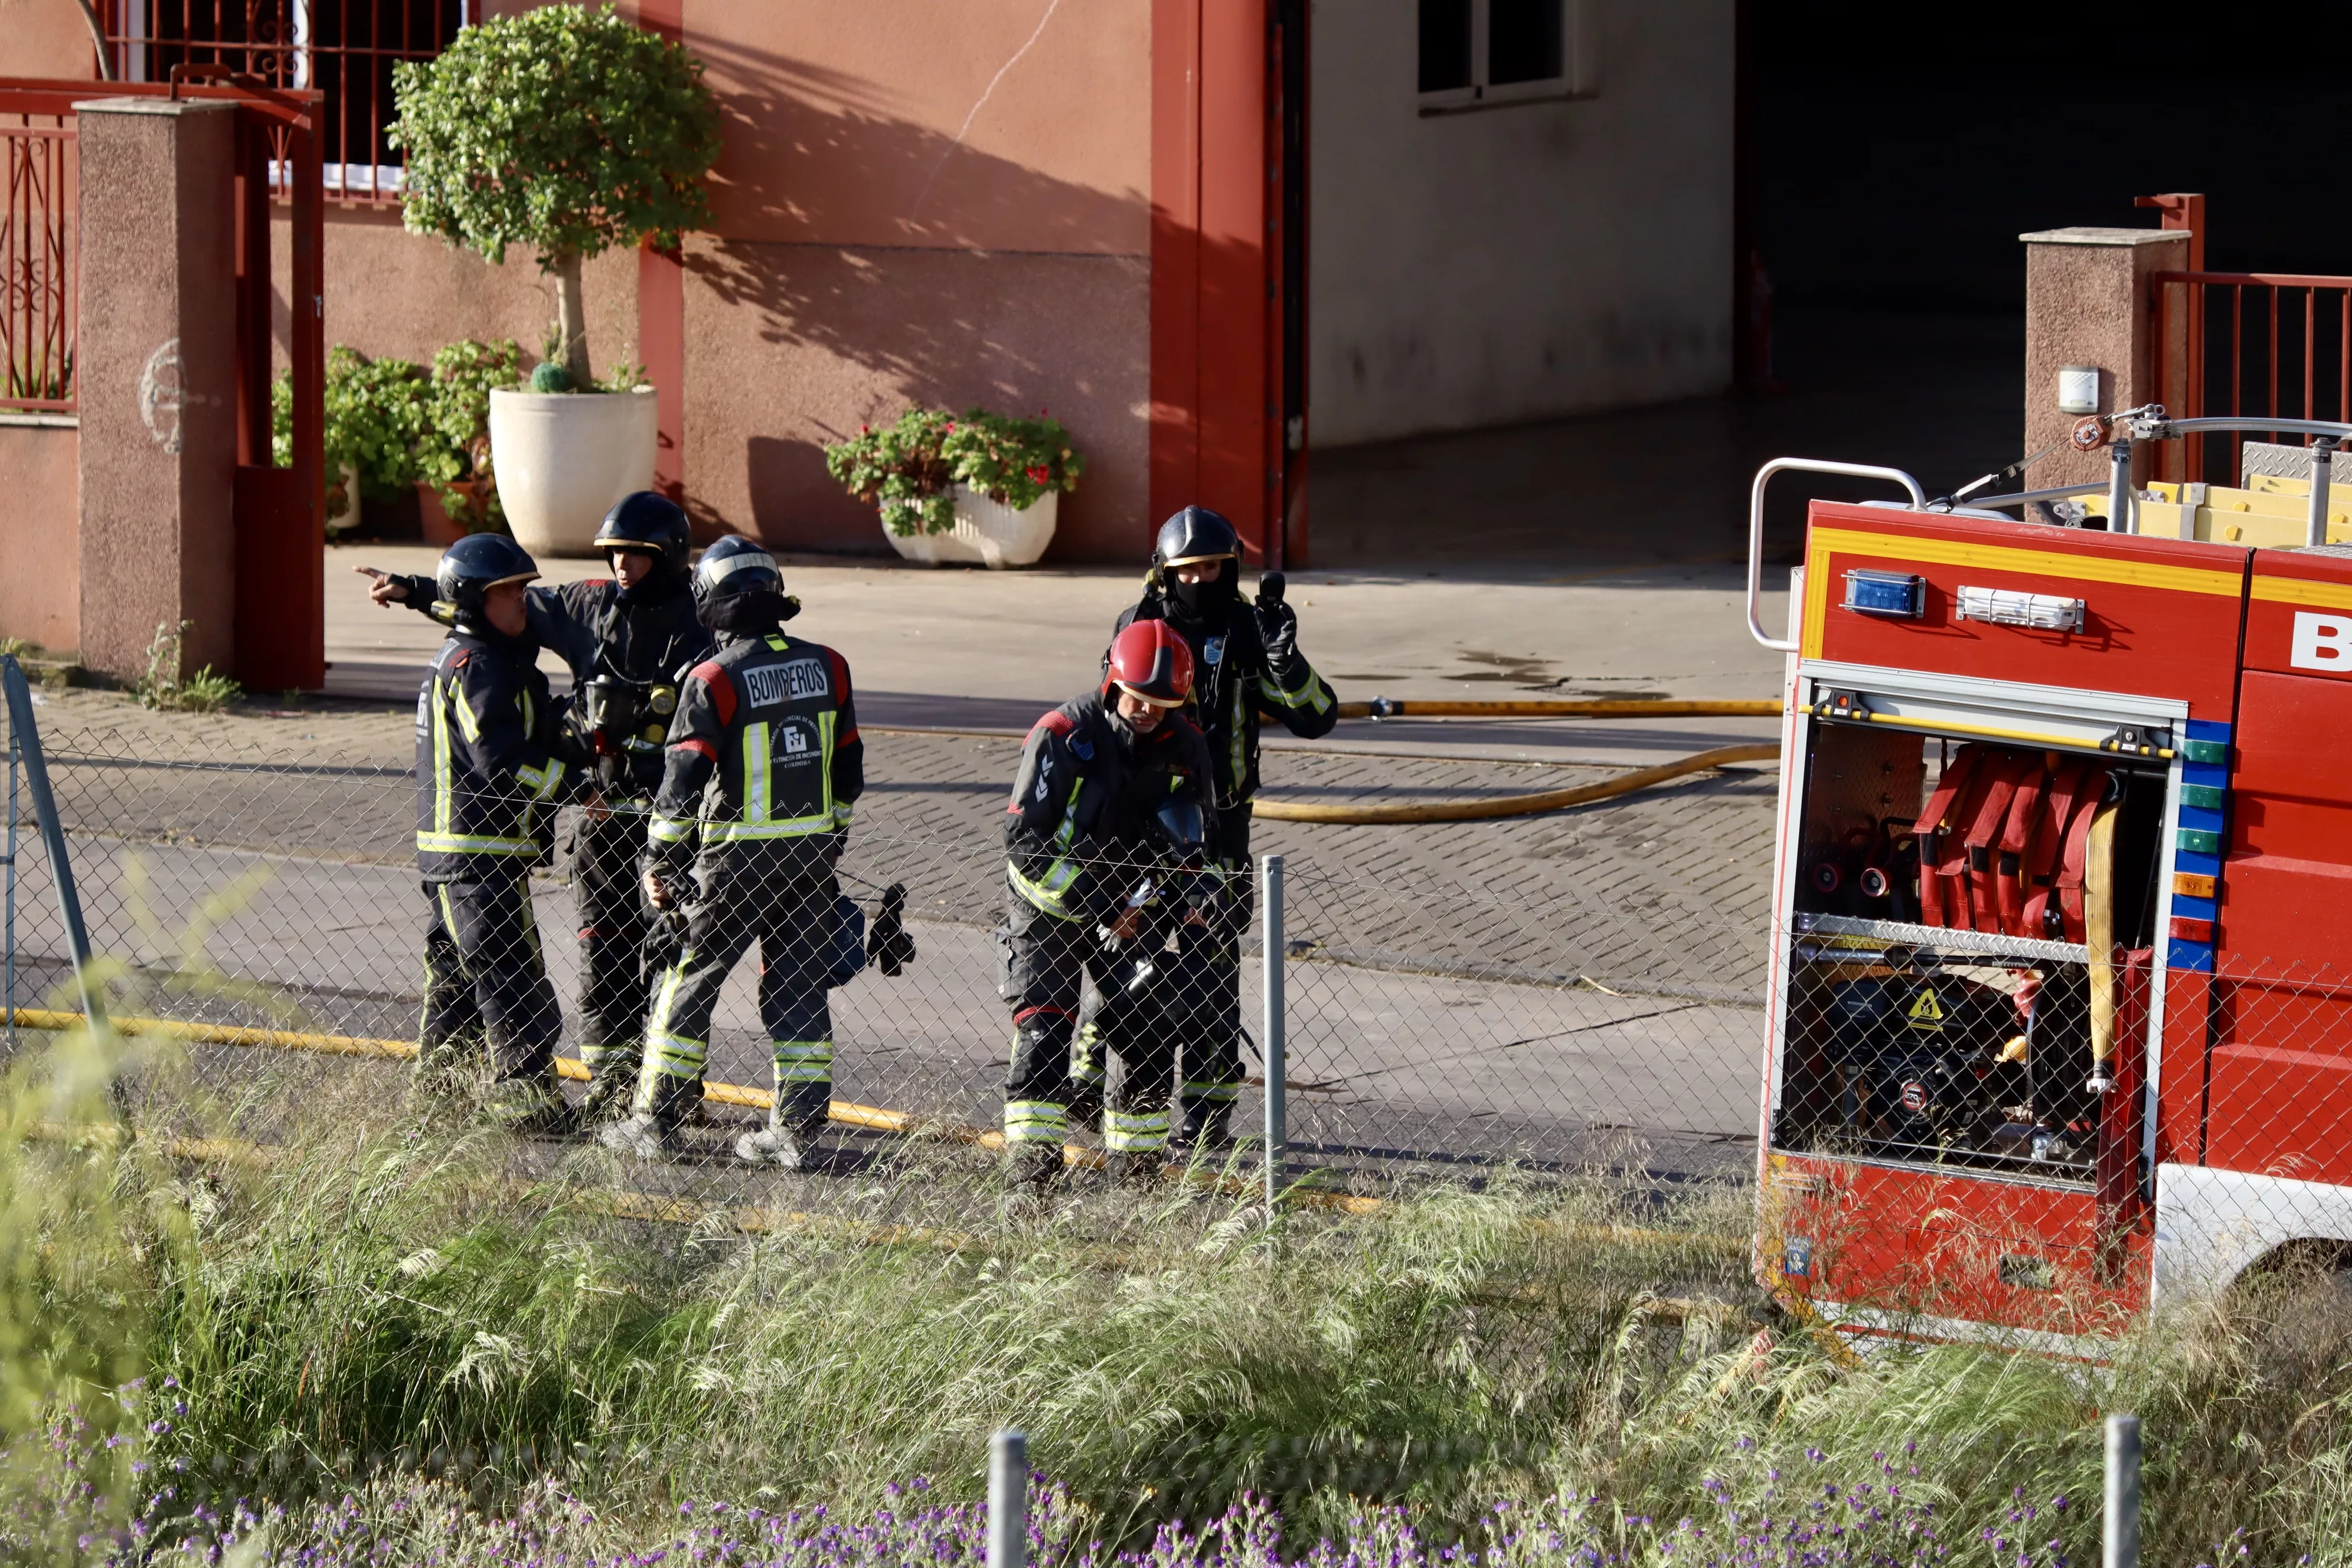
(1077, 832)
(645, 642)
(1236, 684)
(488, 777)
(763, 750)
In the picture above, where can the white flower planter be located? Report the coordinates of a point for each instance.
(985, 534)
(563, 458)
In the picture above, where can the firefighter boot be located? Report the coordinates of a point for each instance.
(609, 1091)
(1033, 1170)
(783, 1147)
(1142, 1169)
(529, 1108)
(1204, 1132)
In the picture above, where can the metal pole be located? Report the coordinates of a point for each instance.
(11, 896)
(2119, 487)
(53, 834)
(1008, 1500)
(1276, 1069)
(2122, 1536)
(2322, 460)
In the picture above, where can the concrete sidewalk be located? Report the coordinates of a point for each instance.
(990, 650)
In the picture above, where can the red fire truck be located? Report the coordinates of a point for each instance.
(2061, 995)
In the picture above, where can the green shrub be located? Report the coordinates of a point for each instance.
(549, 377)
(907, 468)
(396, 424)
(561, 128)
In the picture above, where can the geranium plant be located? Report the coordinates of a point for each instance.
(563, 129)
(910, 469)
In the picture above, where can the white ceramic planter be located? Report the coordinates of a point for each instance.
(563, 459)
(985, 534)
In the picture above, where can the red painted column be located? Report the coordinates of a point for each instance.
(661, 309)
(1175, 462)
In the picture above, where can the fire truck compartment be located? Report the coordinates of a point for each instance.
(1952, 1017)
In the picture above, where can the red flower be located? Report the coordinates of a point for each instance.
(1038, 473)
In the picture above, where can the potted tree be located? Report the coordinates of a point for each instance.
(971, 488)
(570, 131)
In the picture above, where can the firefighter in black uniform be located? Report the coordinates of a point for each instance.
(629, 640)
(488, 777)
(1249, 667)
(763, 765)
(1112, 789)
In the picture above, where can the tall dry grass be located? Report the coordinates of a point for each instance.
(376, 1305)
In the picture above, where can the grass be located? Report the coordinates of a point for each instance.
(419, 1342)
(166, 687)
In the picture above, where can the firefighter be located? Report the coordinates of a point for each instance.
(1111, 786)
(488, 777)
(629, 640)
(1249, 667)
(762, 766)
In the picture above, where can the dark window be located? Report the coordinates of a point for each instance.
(345, 49)
(1445, 44)
(1523, 41)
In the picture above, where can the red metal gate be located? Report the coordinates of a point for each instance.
(280, 512)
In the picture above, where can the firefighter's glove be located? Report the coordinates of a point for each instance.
(1278, 627)
(889, 946)
(666, 890)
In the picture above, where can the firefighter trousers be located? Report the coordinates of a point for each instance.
(792, 914)
(623, 947)
(1048, 962)
(486, 979)
(1204, 1003)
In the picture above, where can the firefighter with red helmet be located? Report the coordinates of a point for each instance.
(764, 763)
(1106, 816)
(1249, 667)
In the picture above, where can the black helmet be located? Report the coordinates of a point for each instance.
(1196, 533)
(1197, 536)
(474, 565)
(651, 521)
(732, 568)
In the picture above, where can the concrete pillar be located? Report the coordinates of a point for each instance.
(156, 372)
(2087, 304)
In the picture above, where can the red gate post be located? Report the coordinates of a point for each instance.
(156, 368)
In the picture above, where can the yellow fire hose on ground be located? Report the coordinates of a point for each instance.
(1274, 810)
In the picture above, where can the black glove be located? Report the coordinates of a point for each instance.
(1278, 627)
(887, 942)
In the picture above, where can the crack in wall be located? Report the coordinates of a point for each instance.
(982, 102)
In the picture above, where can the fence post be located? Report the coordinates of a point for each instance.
(10, 936)
(1008, 1500)
(2122, 1532)
(53, 837)
(1277, 1065)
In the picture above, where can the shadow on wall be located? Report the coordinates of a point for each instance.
(863, 264)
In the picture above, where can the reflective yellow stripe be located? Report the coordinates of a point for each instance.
(1312, 694)
(1034, 1121)
(1125, 1132)
(803, 1061)
(466, 720)
(756, 804)
(670, 829)
(472, 844)
(443, 806)
(1048, 899)
(1194, 1090)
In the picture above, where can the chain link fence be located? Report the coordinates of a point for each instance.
(1432, 1027)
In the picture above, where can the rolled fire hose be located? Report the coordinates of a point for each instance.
(2099, 935)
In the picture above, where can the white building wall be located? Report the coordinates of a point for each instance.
(1521, 262)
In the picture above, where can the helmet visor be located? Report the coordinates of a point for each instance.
(1201, 560)
(1140, 695)
(511, 577)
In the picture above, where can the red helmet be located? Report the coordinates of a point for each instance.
(1151, 661)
